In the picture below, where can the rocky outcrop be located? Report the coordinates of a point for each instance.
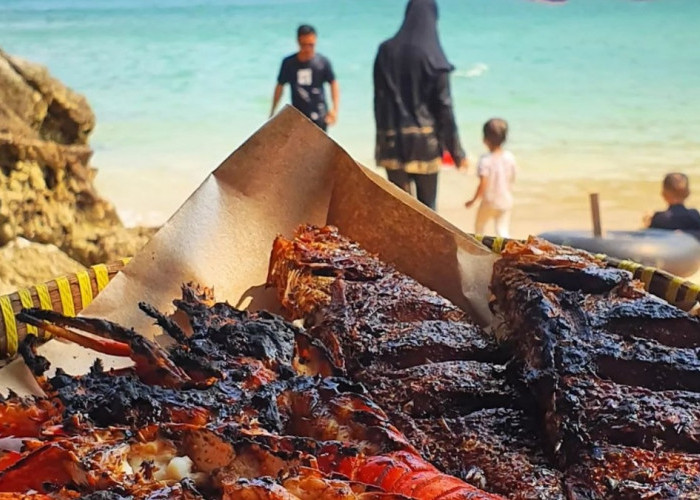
(24, 264)
(46, 181)
(40, 106)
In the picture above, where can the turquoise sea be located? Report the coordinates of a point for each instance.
(591, 88)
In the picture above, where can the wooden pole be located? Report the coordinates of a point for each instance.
(595, 214)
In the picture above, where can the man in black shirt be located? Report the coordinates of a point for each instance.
(306, 72)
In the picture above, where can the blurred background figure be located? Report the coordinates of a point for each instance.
(496, 171)
(675, 190)
(413, 104)
(306, 72)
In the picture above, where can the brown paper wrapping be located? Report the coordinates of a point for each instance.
(288, 173)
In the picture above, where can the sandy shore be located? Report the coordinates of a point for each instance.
(550, 205)
(542, 205)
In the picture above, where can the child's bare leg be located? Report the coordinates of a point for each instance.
(483, 214)
(502, 220)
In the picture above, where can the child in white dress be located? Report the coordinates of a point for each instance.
(496, 172)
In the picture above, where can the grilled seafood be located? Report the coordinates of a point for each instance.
(151, 363)
(85, 461)
(502, 441)
(575, 398)
(621, 472)
(614, 370)
(307, 486)
(419, 356)
(403, 473)
(582, 352)
(24, 417)
(239, 397)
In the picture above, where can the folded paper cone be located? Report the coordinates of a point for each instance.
(288, 173)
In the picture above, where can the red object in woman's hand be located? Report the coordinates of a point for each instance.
(447, 159)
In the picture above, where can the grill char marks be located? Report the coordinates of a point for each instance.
(420, 342)
(615, 372)
(418, 355)
(499, 445)
(633, 416)
(644, 317)
(645, 362)
(251, 381)
(616, 472)
(441, 389)
(609, 374)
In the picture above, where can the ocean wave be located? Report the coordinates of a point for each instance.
(474, 72)
(133, 217)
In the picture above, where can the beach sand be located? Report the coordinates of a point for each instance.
(541, 204)
(546, 205)
(149, 198)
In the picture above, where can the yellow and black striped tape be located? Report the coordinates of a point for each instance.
(672, 289)
(8, 317)
(67, 306)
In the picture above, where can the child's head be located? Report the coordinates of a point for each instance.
(676, 188)
(495, 132)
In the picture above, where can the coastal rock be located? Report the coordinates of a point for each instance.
(24, 264)
(92, 246)
(47, 193)
(52, 111)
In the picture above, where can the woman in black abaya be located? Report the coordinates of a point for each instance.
(413, 104)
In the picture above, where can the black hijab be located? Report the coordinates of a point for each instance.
(412, 102)
(419, 35)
